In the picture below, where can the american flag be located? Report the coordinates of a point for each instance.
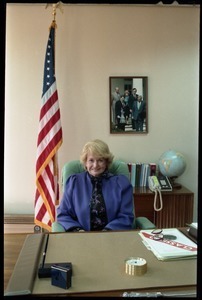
(49, 141)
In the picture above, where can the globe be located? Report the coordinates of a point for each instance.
(172, 163)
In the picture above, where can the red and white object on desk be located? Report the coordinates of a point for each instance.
(166, 249)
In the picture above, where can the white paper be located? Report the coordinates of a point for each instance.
(180, 248)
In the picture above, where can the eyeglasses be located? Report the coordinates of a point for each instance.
(158, 235)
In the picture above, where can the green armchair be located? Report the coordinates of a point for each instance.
(117, 167)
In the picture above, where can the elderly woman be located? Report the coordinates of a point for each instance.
(96, 200)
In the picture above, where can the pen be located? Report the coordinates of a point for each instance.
(45, 249)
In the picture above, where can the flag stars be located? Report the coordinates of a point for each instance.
(49, 75)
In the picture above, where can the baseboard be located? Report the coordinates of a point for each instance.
(18, 219)
(18, 228)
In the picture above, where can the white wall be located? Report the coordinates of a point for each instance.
(94, 42)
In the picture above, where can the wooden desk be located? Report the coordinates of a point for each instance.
(74, 239)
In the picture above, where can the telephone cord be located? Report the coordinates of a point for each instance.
(155, 198)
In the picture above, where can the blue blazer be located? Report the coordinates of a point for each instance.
(74, 209)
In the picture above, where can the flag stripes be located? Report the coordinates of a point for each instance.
(50, 148)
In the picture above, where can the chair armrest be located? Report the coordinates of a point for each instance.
(140, 222)
(144, 223)
(56, 227)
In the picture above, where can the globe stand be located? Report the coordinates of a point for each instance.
(174, 184)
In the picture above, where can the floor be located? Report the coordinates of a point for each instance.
(13, 243)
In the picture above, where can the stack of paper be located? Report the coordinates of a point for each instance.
(180, 248)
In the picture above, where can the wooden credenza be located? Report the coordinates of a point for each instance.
(177, 207)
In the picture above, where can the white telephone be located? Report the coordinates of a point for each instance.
(154, 183)
(155, 187)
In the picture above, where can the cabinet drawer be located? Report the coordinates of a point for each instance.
(144, 207)
(177, 207)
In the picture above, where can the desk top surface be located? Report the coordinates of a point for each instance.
(98, 262)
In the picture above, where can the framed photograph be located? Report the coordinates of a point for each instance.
(128, 102)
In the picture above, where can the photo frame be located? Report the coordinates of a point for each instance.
(128, 102)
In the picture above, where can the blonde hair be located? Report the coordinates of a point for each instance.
(98, 148)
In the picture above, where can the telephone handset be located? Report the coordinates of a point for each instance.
(154, 183)
(155, 187)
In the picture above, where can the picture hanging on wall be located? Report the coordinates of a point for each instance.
(128, 103)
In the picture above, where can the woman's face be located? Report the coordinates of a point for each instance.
(95, 166)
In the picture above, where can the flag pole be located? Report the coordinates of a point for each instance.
(55, 6)
(49, 140)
